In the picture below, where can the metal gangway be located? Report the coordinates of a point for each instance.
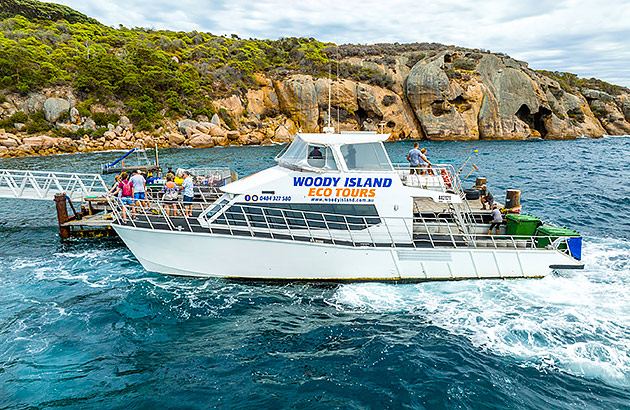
(43, 185)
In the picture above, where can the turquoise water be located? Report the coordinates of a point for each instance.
(83, 325)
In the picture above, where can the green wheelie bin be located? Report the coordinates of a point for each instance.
(521, 225)
(549, 233)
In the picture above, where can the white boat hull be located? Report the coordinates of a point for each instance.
(214, 255)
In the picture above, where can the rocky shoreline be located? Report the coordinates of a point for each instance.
(451, 95)
(200, 135)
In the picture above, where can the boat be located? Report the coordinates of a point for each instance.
(335, 208)
(142, 163)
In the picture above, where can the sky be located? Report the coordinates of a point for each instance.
(588, 38)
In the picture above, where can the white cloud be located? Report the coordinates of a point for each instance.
(581, 36)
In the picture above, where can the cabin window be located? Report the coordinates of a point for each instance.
(320, 156)
(366, 157)
(218, 205)
(308, 156)
(344, 217)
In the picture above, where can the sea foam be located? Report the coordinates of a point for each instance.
(575, 322)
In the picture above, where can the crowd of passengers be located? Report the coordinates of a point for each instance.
(132, 193)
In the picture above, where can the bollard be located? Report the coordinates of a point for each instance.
(62, 215)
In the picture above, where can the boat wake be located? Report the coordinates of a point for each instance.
(573, 322)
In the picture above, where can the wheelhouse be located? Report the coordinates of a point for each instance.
(346, 152)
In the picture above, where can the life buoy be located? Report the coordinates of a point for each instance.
(447, 178)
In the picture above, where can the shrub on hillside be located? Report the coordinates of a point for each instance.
(102, 119)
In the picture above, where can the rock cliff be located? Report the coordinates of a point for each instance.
(446, 94)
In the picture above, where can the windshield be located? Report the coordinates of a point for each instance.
(308, 156)
(366, 157)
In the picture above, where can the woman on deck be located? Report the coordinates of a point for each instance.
(125, 188)
(170, 191)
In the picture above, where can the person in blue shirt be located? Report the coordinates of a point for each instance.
(139, 190)
(418, 159)
(188, 193)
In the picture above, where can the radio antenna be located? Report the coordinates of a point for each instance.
(329, 92)
(337, 91)
(328, 129)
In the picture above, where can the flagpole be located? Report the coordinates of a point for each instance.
(475, 168)
(465, 162)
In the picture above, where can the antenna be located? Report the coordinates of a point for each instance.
(329, 91)
(328, 129)
(337, 91)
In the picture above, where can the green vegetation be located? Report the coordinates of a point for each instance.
(37, 123)
(102, 119)
(34, 123)
(464, 64)
(39, 10)
(154, 73)
(569, 82)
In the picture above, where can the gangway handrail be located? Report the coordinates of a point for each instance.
(43, 185)
(105, 166)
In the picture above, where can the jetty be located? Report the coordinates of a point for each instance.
(81, 204)
(82, 193)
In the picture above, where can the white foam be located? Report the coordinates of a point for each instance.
(576, 322)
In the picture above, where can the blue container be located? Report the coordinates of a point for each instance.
(575, 247)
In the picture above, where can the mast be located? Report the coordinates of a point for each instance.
(328, 129)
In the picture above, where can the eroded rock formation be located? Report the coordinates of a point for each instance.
(447, 95)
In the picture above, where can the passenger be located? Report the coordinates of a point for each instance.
(497, 219)
(171, 192)
(188, 193)
(114, 187)
(414, 158)
(315, 154)
(139, 190)
(486, 198)
(351, 157)
(125, 188)
(424, 162)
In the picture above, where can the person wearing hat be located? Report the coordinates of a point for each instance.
(497, 219)
(486, 198)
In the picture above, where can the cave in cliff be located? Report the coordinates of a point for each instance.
(364, 117)
(535, 121)
(439, 108)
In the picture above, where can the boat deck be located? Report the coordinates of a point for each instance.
(428, 205)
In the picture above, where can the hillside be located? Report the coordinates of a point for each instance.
(66, 77)
(46, 11)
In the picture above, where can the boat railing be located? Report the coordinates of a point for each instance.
(438, 177)
(309, 226)
(205, 194)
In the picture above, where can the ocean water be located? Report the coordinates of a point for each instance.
(83, 325)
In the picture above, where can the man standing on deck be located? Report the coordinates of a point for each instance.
(139, 190)
(415, 158)
(188, 193)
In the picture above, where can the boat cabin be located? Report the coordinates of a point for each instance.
(346, 152)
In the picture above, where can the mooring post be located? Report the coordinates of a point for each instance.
(62, 215)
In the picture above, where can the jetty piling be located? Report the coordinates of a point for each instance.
(62, 215)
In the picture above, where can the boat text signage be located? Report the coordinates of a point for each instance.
(337, 187)
(348, 182)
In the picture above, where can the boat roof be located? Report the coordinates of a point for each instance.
(343, 138)
(255, 180)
